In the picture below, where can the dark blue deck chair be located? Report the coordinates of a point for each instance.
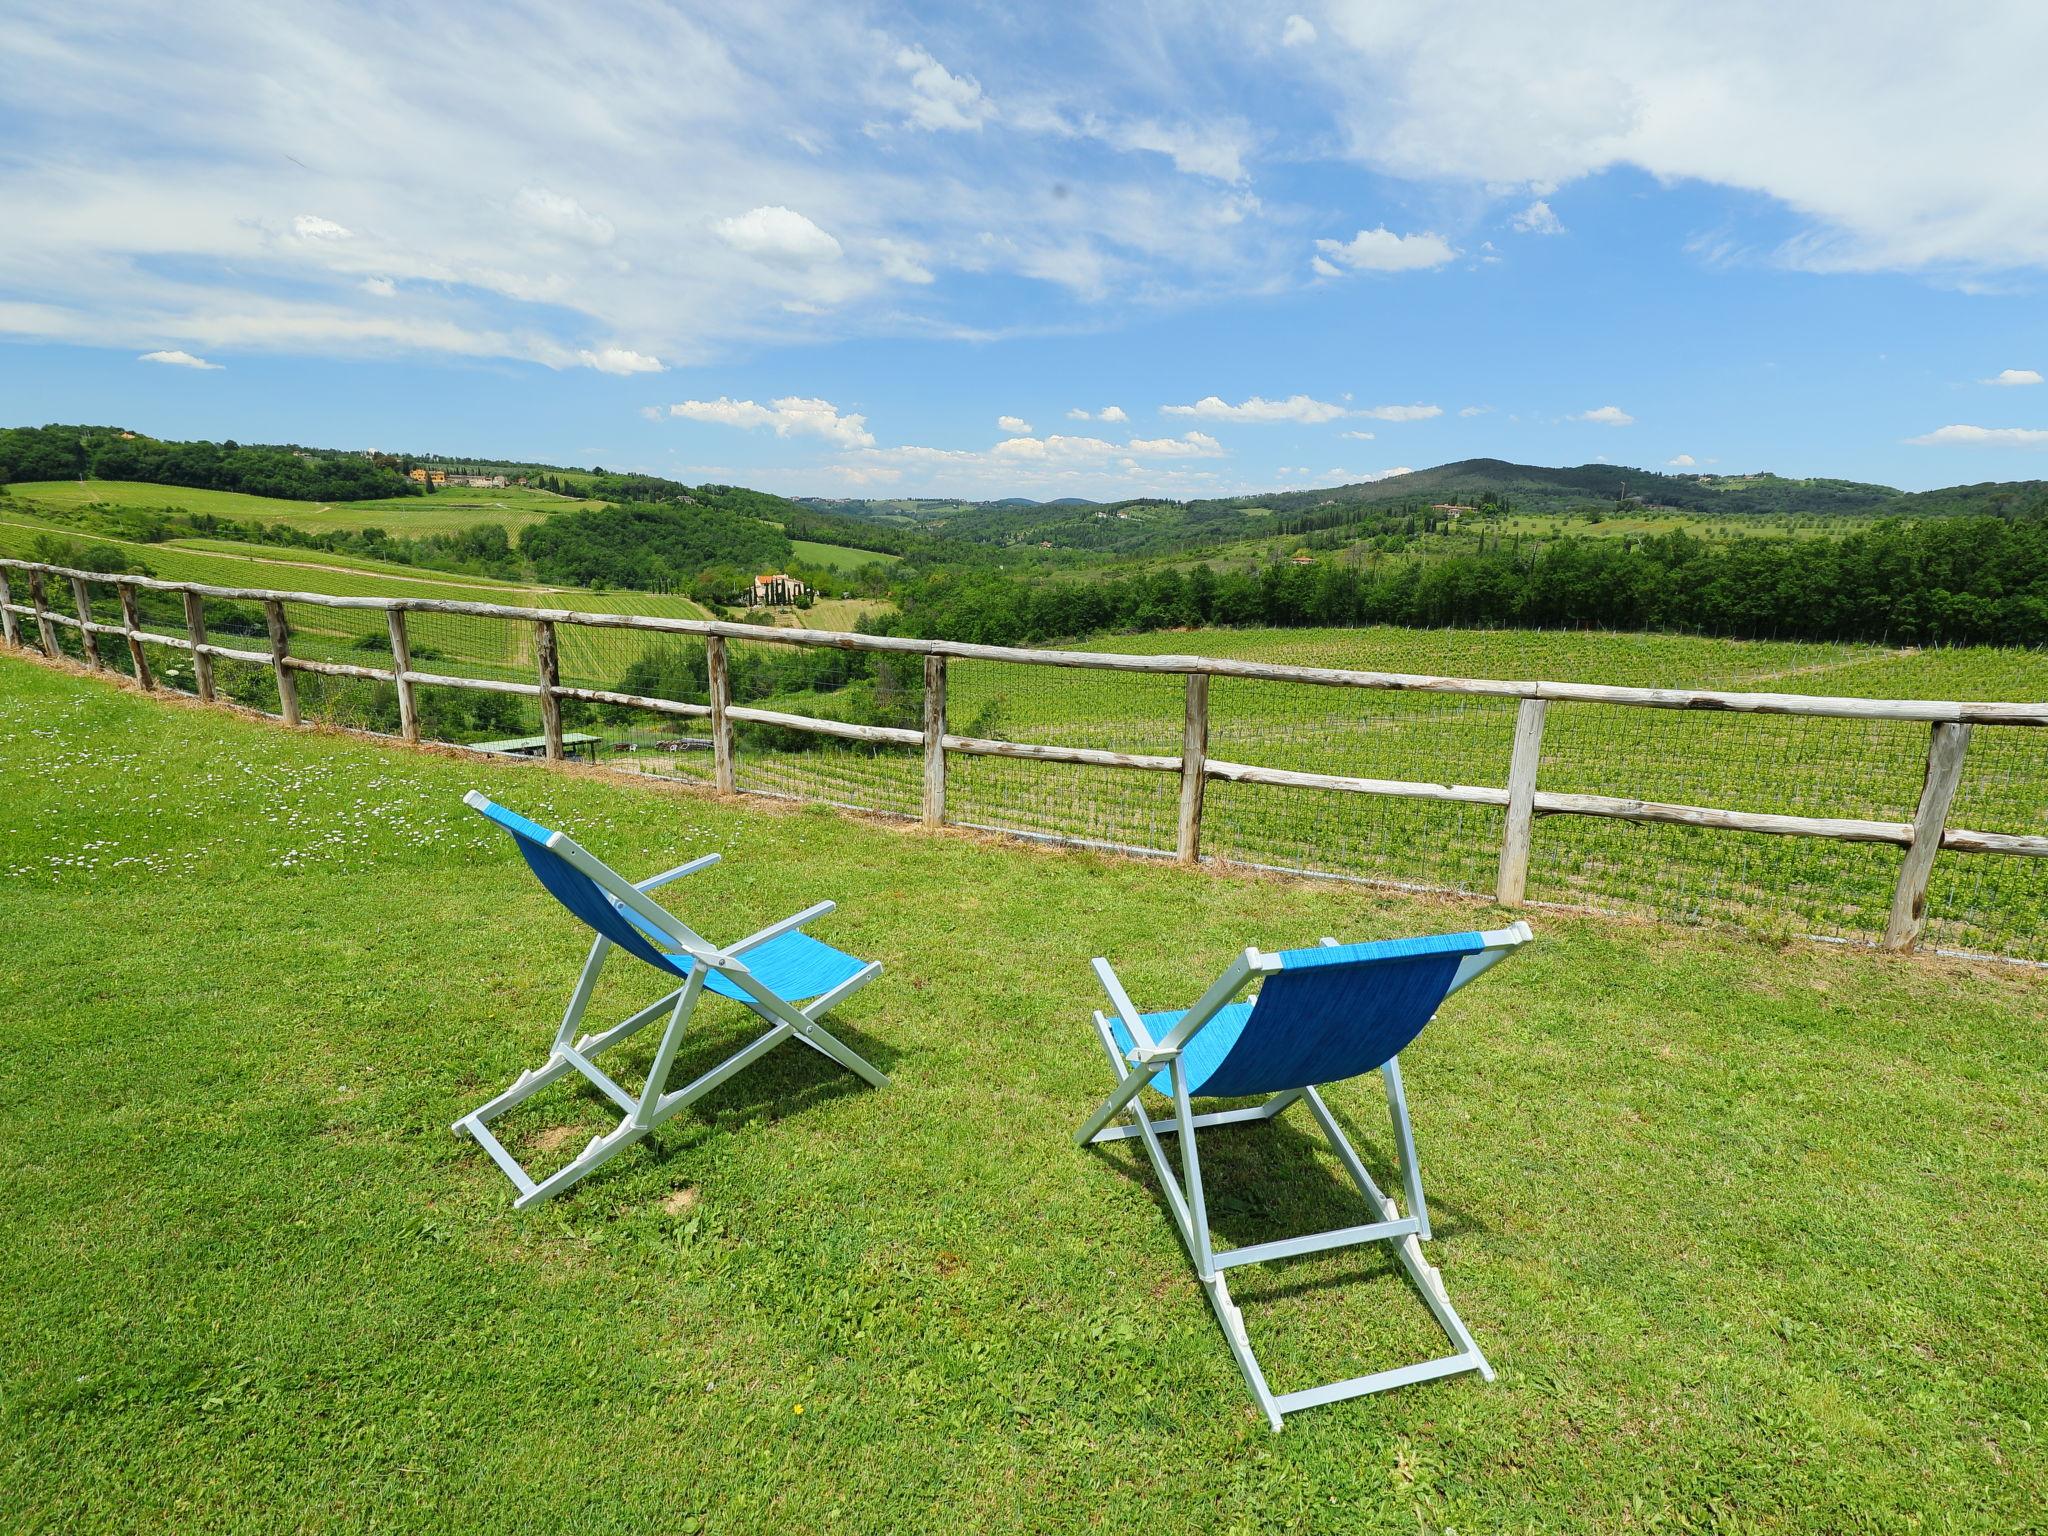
(1321, 1015)
(771, 972)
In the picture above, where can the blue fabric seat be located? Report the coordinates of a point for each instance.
(1328, 1013)
(792, 965)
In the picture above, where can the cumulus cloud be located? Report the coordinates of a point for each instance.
(1189, 445)
(2009, 377)
(180, 359)
(1363, 437)
(1606, 416)
(1681, 461)
(1110, 413)
(618, 360)
(778, 234)
(1296, 408)
(1538, 219)
(1402, 412)
(903, 261)
(380, 287)
(940, 100)
(1013, 424)
(1983, 437)
(310, 226)
(1297, 32)
(564, 216)
(791, 416)
(1323, 268)
(1474, 410)
(1381, 250)
(1212, 148)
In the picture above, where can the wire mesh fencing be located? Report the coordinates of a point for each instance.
(1132, 713)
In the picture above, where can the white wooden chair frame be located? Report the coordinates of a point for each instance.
(1184, 1196)
(655, 1104)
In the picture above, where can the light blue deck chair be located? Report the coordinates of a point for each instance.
(771, 972)
(1321, 1015)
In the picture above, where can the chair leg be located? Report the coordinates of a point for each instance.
(1404, 1142)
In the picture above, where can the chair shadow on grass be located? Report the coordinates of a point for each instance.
(1279, 1178)
(792, 1079)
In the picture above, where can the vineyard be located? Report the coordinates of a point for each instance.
(1869, 770)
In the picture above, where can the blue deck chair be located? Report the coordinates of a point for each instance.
(770, 972)
(1321, 1015)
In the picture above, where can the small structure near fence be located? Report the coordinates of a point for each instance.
(1520, 799)
(573, 743)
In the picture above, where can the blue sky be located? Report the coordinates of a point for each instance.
(965, 250)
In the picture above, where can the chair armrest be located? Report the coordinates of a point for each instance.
(654, 882)
(776, 930)
(1119, 999)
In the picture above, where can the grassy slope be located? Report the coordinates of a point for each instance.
(1751, 1235)
(838, 557)
(442, 512)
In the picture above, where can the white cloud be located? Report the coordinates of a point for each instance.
(1297, 32)
(940, 100)
(1402, 412)
(1013, 424)
(1386, 474)
(1381, 250)
(779, 234)
(1606, 416)
(1363, 437)
(1882, 171)
(1322, 268)
(1983, 437)
(793, 415)
(1474, 410)
(1295, 408)
(1681, 461)
(380, 287)
(1111, 413)
(180, 359)
(310, 226)
(2010, 377)
(903, 260)
(1189, 445)
(1538, 219)
(562, 216)
(1212, 148)
(619, 360)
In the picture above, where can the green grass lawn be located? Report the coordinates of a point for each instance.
(1751, 1233)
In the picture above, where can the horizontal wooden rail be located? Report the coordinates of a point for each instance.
(1288, 778)
(1839, 828)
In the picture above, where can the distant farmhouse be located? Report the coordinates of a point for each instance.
(776, 590)
(442, 477)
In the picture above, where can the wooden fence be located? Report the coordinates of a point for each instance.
(1949, 723)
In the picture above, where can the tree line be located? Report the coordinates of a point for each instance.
(104, 453)
(1961, 581)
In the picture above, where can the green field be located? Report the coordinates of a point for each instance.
(838, 557)
(1749, 1232)
(444, 511)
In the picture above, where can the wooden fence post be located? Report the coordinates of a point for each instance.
(720, 679)
(401, 669)
(1194, 768)
(8, 631)
(550, 680)
(280, 641)
(934, 741)
(44, 628)
(131, 624)
(1512, 883)
(1945, 748)
(195, 631)
(82, 596)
